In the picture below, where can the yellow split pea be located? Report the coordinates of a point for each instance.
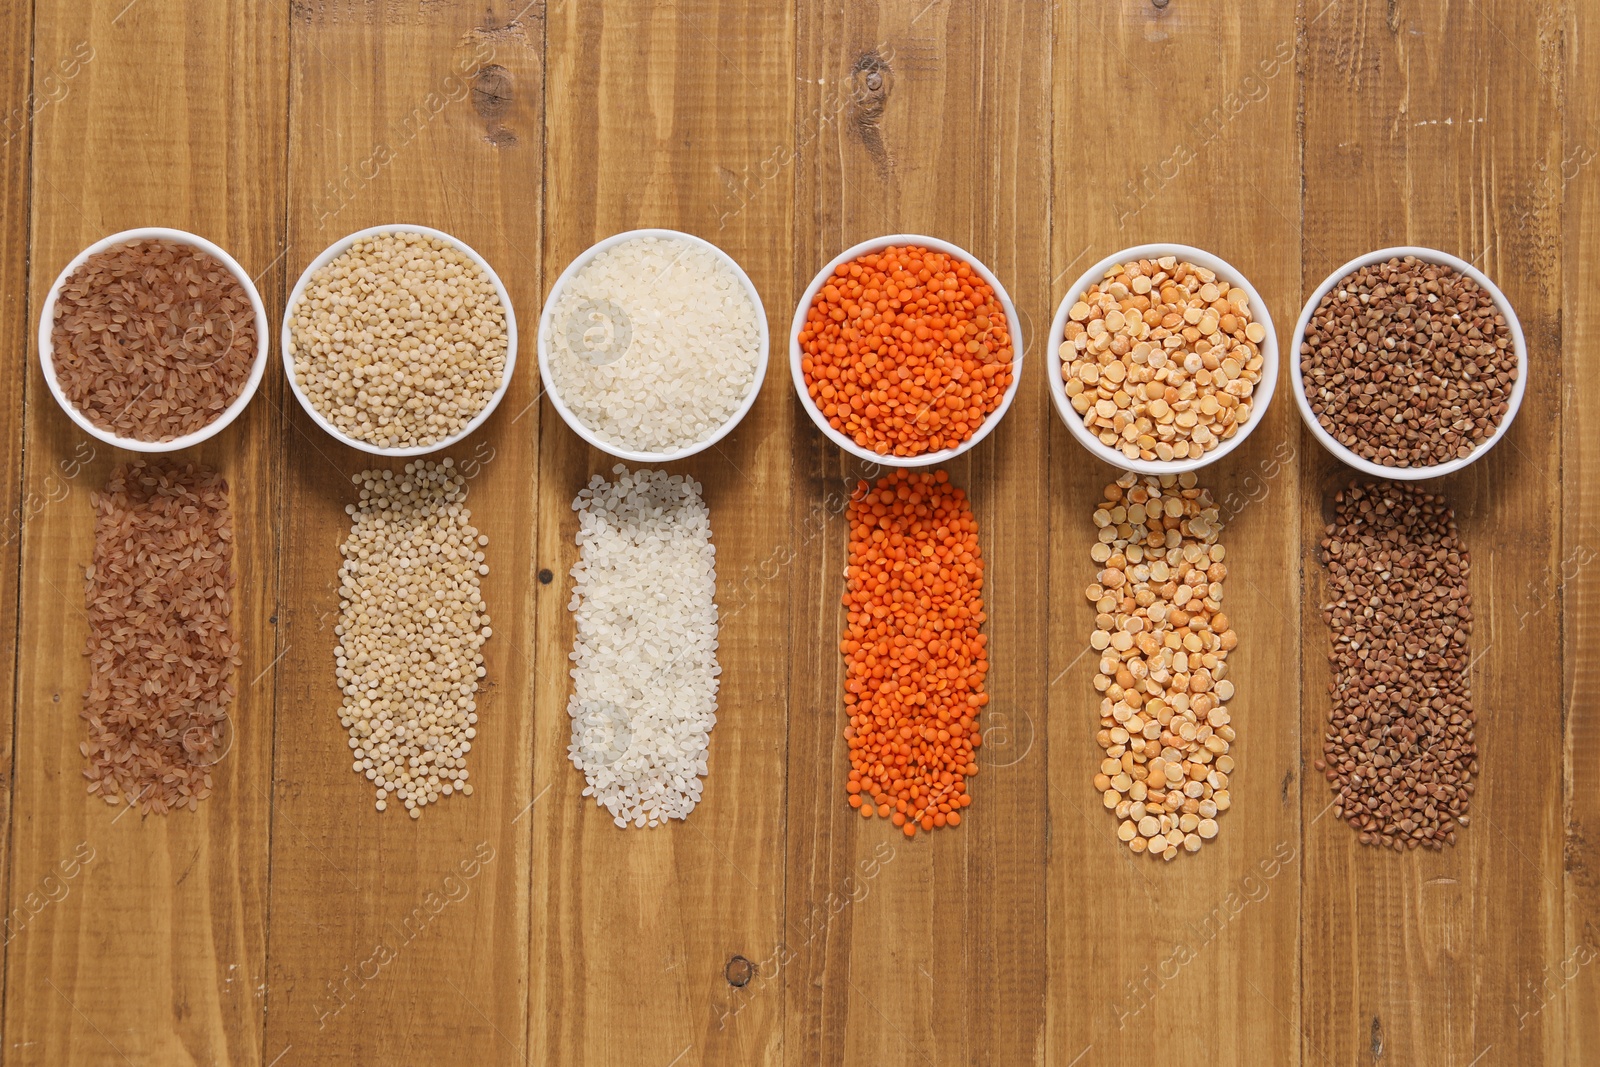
(1163, 638)
(1161, 359)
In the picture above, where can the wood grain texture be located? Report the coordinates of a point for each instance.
(155, 949)
(1574, 583)
(395, 939)
(1137, 943)
(288, 923)
(16, 141)
(923, 118)
(1437, 126)
(670, 116)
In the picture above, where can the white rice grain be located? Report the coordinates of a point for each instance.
(645, 671)
(653, 344)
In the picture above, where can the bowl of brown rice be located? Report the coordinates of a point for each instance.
(153, 339)
(399, 340)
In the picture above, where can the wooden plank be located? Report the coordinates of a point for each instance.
(1440, 126)
(390, 933)
(1575, 584)
(918, 117)
(672, 116)
(16, 141)
(1178, 124)
(152, 948)
(784, 135)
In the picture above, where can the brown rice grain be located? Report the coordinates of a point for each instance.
(153, 340)
(161, 647)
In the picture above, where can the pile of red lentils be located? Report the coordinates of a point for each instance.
(915, 661)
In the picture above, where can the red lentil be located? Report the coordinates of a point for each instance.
(907, 351)
(915, 661)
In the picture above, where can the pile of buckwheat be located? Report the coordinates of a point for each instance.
(1164, 641)
(399, 342)
(1408, 363)
(1161, 359)
(1400, 751)
(412, 625)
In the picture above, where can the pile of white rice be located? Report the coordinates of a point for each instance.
(645, 658)
(653, 344)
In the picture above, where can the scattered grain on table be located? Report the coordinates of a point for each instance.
(162, 650)
(1163, 640)
(915, 656)
(412, 625)
(1400, 751)
(644, 661)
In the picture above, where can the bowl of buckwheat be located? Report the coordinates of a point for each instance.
(1409, 363)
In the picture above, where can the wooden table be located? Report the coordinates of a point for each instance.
(288, 923)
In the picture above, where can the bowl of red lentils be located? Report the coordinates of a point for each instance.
(1162, 359)
(905, 351)
(1409, 363)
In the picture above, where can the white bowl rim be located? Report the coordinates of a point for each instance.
(575, 424)
(337, 249)
(1438, 470)
(1260, 397)
(878, 244)
(257, 369)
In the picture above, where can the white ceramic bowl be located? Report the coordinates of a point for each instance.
(577, 426)
(1349, 458)
(878, 244)
(337, 249)
(1259, 399)
(215, 426)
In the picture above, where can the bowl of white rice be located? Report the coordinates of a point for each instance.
(653, 345)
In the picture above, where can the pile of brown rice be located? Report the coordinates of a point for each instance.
(161, 645)
(153, 340)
